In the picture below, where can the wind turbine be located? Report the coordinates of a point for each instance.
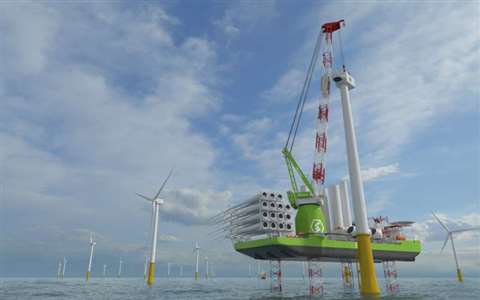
(206, 267)
(145, 267)
(59, 270)
(450, 237)
(120, 268)
(156, 202)
(92, 245)
(63, 267)
(197, 251)
(104, 270)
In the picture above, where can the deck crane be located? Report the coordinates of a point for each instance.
(310, 200)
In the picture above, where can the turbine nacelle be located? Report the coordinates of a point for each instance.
(92, 242)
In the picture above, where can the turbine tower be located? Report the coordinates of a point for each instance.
(197, 251)
(168, 269)
(156, 202)
(59, 270)
(345, 82)
(92, 245)
(120, 268)
(450, 237)
(206, 267)
(145, 267)
(104, 270)
(63, 266)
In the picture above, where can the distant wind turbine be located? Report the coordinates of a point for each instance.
(64, 266)
(197, 252)
(156, 203)
(206, 267)
(92, 245)
(450, 237)
(145, 267)
(120, 268)
(104, 270)
(59, 270)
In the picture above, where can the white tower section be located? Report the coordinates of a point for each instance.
(327, 211)
(345, 200)
(335, 207)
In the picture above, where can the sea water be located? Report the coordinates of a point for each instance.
(222, 288)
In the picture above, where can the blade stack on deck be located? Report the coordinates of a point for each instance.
(263, 214)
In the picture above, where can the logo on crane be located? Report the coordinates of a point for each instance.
(317, 225)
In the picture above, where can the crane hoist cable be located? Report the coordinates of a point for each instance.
(303, 95)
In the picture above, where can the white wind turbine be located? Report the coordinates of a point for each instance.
(197, 251)
(450, 237)
(206, 267)
(59, 270)
(92, 245)
(120, 268)
(145, 267)
(64, 265)
(156, 203)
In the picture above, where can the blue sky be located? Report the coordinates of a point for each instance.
(100, 100)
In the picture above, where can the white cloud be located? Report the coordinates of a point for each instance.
(287, 89)
(190, 206)
(27, 44)
(85, 129)
(378, 172)
(244, 16)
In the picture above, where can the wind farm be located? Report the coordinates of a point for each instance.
(239, 150)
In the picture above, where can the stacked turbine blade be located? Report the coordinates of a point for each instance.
(262, 214)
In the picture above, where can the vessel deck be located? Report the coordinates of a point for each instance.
(324, 249)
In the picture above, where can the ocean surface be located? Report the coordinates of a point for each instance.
(222, 288)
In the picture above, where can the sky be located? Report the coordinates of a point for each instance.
(99, 100)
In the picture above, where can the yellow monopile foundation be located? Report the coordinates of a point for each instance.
(197, 275)
(459, 275)
(368, 277)
(87, 277)
(151, 273)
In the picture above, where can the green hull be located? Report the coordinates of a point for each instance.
(324, 249)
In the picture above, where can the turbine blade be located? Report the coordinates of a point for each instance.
(445, 242)
(144, 197)
(464, 230)
(440, 222)
(163, 184)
